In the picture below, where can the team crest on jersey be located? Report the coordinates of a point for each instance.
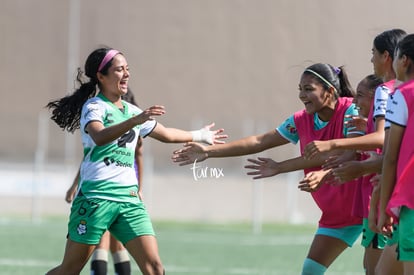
(82, 228)
(291, 129)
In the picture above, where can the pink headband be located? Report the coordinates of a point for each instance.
(109, 55)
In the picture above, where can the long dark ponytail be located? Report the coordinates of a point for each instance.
(66, 111)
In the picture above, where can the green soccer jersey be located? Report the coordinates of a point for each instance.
(108, 171)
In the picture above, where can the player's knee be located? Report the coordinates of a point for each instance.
(155, 267)
(158, 268)
(311, 267)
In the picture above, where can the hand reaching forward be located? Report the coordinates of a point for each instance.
(191, 152)
(315, 147)
(264, 168)
(348, 171)
(313, 180)
(209, 136)
(149, 113)
(356, 123)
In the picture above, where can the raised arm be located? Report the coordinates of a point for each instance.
(266, 167)
(174, 135)
(102, 135)
(353, 169)
(245, 146)
(367, 142)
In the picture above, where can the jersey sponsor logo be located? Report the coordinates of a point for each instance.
(108, 161)
(123, 164)
(121, 152)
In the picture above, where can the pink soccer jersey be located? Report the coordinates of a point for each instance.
(400, 113)
(335, 202)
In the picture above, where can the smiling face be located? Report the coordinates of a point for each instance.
(115, 83)
(315, 96)
(363, 98)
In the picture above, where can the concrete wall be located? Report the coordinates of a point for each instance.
(234, 62)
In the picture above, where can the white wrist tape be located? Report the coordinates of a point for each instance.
(203, 135)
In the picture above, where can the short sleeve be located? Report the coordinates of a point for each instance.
(147, 127)
(288, 130)
(397, 111)
(91, 111)
(351, 112)
(380, 101)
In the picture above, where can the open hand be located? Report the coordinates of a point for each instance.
(356, 123)
(313, 180)
(191, 152)
(315, 147)
(149, 113)
(264, 167)
(212, 136)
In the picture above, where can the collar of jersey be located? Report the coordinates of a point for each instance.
(104, 98)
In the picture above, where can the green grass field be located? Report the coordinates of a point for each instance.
(186, 248)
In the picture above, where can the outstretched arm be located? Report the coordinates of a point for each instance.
(314, 180)
(102, 135)
(266, 167)
(245, 146)
(353, 169)
(174, 135)
(367, 142)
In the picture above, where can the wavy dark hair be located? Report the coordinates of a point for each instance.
(336, 76)
(66, 111)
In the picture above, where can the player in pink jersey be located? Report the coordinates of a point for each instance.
(327, 95)
(382, 57)
(383, 49)
(373, 140)
(396, 199)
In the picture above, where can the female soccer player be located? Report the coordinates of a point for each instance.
(108, 189)
(327, 96)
